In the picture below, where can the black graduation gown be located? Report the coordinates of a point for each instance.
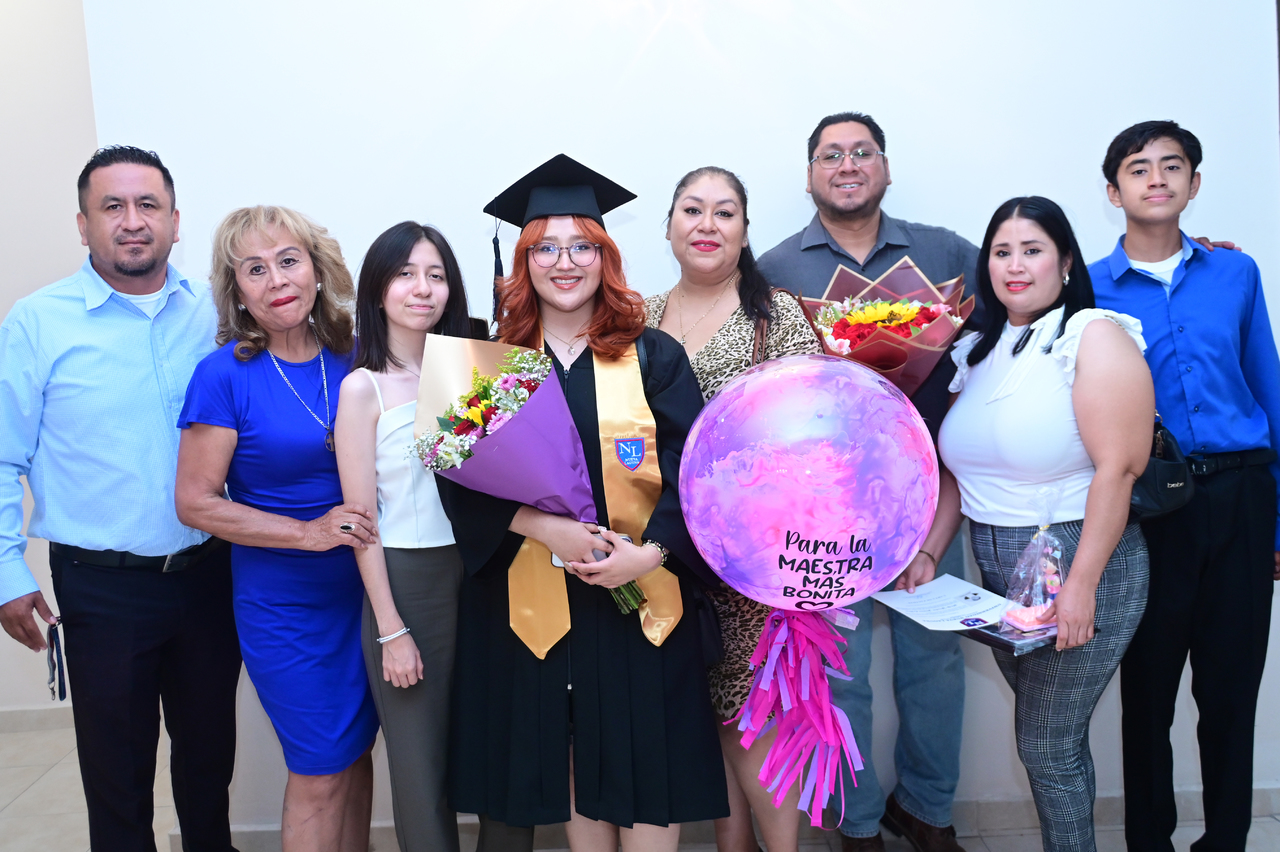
(645, 747)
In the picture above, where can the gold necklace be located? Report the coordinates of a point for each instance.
(572, 346)
(728, 284)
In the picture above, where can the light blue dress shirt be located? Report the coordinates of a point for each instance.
(1209, 345)
(90, 392)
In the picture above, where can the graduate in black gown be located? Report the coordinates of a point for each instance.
(625, 700)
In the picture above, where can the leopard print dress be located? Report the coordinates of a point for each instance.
(722, 359)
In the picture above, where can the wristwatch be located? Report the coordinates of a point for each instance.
(648, 542)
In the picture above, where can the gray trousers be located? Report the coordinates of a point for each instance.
(415, 720)
(1056, 692)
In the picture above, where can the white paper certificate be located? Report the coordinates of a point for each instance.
(947, 603)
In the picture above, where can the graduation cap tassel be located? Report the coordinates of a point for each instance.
(497, 269)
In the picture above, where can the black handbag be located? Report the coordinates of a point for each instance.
(1166, 485)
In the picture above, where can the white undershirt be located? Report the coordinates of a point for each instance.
(149, 303)
(1162, 269)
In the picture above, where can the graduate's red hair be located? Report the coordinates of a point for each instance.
(618, 318)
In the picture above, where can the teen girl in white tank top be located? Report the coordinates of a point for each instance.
(409, 287)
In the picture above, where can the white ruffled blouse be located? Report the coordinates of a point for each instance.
(1012, 430)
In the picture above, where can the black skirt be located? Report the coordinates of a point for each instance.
(639, 717)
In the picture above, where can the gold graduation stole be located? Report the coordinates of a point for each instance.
(539, 605)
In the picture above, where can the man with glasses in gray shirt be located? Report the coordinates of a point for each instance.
(847, 178)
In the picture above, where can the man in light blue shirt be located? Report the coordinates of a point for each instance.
(1217, 380)
(93, 373)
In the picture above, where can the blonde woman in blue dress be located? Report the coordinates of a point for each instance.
(410, 286)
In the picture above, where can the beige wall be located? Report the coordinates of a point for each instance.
(48, 134)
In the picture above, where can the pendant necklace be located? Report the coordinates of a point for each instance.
(728, 285)
(327, 423)
(572, 346)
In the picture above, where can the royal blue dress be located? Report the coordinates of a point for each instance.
(297, 612)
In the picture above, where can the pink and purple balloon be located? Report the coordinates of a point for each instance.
(809, 482)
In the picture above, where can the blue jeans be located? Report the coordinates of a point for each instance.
(928, 687)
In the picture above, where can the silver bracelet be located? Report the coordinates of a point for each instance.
(382, 640)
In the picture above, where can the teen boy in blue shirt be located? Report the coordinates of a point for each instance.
(1217, 378)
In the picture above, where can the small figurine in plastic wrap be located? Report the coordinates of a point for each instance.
(1039, 574)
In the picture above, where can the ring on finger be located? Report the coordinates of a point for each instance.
(347, 528)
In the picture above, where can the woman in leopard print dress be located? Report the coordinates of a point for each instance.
(713, 311)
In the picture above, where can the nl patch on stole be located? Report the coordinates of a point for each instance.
(630, 451)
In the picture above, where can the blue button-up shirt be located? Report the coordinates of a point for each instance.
(1209, 345)
(90, 391)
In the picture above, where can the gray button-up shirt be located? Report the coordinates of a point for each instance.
(804, 263)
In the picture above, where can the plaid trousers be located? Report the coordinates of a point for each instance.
(1056, 692)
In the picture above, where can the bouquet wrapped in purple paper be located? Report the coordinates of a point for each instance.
(505, 431)
(486, 408)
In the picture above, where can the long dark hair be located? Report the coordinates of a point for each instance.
(382, 263)
(753, 287)
(1076, 296)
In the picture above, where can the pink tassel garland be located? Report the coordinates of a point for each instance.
(811, 730)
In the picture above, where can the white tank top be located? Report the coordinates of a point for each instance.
(409, 510)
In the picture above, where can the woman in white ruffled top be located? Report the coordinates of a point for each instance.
(1054, 393)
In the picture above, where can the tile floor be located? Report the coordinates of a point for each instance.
(1264, 837)
(42, 807)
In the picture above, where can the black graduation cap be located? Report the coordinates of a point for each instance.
(559, 187)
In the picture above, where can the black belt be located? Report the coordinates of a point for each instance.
(180, 561)
(1203, 465)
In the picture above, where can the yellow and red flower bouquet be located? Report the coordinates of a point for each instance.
(899, 325)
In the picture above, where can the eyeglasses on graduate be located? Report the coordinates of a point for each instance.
(547, 255)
